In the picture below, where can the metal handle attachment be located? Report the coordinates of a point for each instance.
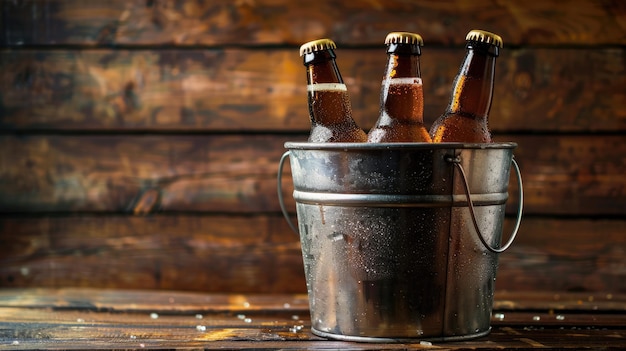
(457, 162)
(281, 201)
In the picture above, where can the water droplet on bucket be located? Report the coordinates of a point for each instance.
(336, 236)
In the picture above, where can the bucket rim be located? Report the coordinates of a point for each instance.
(293, 145)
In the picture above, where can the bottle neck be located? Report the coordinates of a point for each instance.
(321, 67)
(402, 63)
(329, 103)
(473, 86)
(402, 95)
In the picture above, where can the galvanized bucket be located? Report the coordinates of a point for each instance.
(400, 241)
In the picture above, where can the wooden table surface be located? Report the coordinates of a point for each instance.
(99, 319)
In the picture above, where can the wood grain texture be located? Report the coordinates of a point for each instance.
(565, 255)
(242, 254)
(570, 175)
(181, 302)
(134, 320)
(235, 174)
(580, 175)
(224, 22)
(187, 302)
(202, 253)
(264, 90)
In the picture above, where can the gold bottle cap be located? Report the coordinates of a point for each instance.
(484, 37)
(317, 45)
(404, 38)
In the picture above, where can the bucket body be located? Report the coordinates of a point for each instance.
(389, 248)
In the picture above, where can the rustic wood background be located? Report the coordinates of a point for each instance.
(139, 140)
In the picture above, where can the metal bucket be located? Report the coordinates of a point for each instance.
(400, 241)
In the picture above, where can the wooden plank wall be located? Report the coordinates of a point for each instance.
(139, 139)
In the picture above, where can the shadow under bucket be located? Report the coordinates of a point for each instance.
(400, 241)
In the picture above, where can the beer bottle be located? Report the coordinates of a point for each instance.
(465, 118)
(329, 103)
(402, 97)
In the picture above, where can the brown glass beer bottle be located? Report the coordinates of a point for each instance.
(330, 108)
(402, 97)
(465, 118)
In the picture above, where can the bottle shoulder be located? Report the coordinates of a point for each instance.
(398, 130)
(343, 132)
(452, 127)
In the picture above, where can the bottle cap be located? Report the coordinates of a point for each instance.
(404, 38)
(483, 36)
(317, 45)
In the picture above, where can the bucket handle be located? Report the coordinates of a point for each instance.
(454, 160)
(457, 162)
(281, 201)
